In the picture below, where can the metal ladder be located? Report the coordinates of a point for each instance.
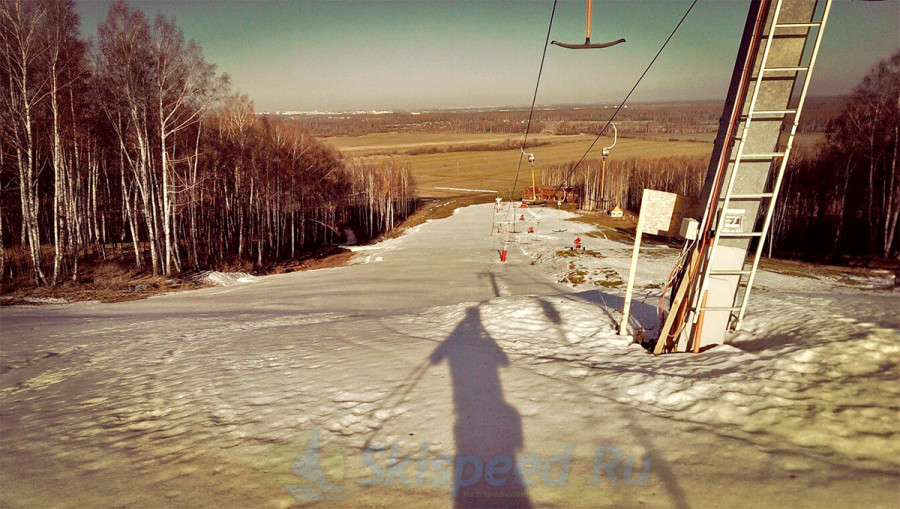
(777, 157)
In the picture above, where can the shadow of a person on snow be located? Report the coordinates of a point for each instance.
(488, 431)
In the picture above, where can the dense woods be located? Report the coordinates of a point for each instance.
(844, 197)
(135, 142)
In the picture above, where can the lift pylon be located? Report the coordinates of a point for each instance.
(768, 90)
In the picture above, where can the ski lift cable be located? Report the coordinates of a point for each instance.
(628, 96)
(533, 101)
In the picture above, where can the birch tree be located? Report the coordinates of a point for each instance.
(25, 81)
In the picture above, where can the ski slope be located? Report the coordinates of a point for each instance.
(426, 361)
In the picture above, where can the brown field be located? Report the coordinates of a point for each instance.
(398, 143)
(472, 160)
(495, 170)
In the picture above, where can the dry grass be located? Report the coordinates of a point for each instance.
(495, 170)
(105, 281)
(800, 268)
(387, 144)
(115, 279)
(805, 139)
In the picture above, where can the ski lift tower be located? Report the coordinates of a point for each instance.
(604, 201)
(768, 89)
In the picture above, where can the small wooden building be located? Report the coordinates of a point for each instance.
(616, 212)
(543, 193)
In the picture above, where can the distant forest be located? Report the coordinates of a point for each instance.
(135, 143)
(684, 117)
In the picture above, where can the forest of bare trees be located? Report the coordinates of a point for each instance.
(626, 179)
(839, 198)
(135, 142)
(844, 197)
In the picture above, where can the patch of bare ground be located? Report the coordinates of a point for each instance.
(323, 258)
(622, 230)
(842, 269)
(116, 280)
(611, 228)
(104, 281)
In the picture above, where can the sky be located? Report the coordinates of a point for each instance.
(409, 55)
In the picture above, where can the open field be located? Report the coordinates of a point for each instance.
(400, 143)
(483, 167)
(804, 139)
(495, 170)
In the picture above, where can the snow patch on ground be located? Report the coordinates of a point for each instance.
(227, 278)
(36, 300)
(834, 392)
(349, 236)
(375, 252)
(800, 372)
(442, 344)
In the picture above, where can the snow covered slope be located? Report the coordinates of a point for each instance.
(427, 359)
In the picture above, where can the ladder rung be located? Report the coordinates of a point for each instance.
(785, 69)
(814, 24)
(729, 273)
(750, 196)
(772, 112)
(769, 155)
(719, 308)
(740, 234)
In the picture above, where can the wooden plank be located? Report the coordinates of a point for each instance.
(626, 305)
(677, 303)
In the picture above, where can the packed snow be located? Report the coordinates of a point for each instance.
(438, 353)
(216, 278)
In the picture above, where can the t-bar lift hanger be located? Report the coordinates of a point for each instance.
(587, 37)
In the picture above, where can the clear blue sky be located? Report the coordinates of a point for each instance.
(343, 55)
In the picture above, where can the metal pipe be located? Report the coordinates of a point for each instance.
(587, 26)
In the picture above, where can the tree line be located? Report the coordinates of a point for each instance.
(627, 178)
(686, 117)
(843, 197)
(136, 141)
